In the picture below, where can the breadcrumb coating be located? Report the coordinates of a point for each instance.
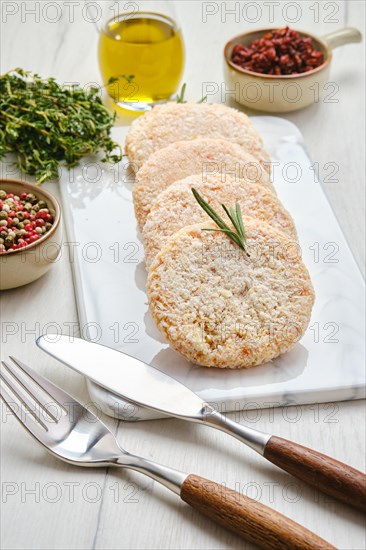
(219, 308)
(166, 124)
(184, 158)
(176, 207)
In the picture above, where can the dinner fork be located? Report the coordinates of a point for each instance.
(74, 434)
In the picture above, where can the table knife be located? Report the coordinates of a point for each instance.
(140, 383)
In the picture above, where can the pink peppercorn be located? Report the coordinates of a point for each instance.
(42, 214)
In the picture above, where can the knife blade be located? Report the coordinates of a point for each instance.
(124, 375)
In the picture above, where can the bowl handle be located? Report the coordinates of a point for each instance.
(342, 36)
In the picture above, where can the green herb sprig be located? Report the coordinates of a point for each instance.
(129, 78)
(46, 125)
(235, 216)
(180, 97)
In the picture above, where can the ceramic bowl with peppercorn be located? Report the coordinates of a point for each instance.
(30, 232)
(281, 70)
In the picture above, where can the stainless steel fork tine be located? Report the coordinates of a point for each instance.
(13, 383)
(25, 419)
(60, 397)
(38, 397)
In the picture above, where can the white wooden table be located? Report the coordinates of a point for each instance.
(47, 504)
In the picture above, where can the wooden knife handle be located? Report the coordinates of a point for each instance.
(248, 518)
(326, 474)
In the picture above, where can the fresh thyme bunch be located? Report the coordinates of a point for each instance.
(45, 125)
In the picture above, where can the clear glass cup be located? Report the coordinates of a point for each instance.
(141, 52)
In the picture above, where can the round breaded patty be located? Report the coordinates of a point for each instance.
(184, 158)
(176, 207)
(219, 308)
(166, 124)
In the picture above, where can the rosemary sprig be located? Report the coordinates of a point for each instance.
(235, 216)
(180, 97)
(46, 125)
(129, 78)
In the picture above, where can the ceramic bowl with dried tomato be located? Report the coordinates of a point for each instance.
(281, 70)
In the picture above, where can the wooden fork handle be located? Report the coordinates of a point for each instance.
(326, 474)
(248, 518)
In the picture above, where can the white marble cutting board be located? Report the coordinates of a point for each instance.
(109, 273)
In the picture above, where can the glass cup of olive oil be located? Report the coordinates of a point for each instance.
(141, 54)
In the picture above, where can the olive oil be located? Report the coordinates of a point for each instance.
(144, 52)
